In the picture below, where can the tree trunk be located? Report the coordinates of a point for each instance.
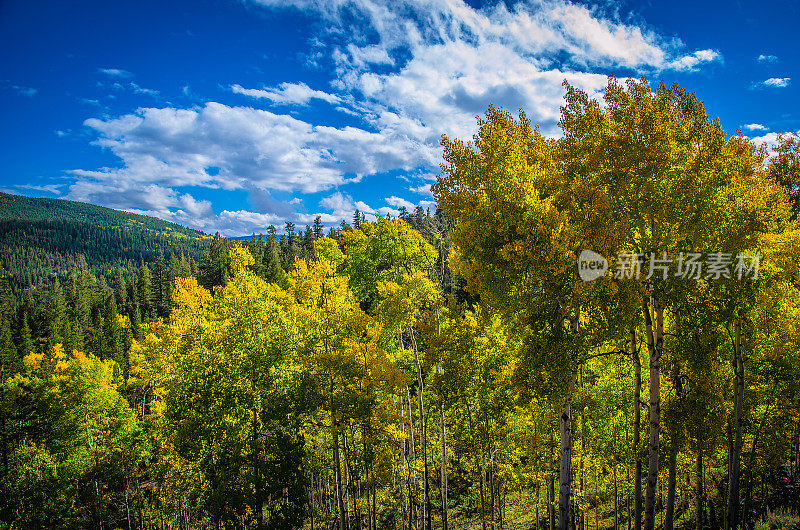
(258, 502)
(565, 472)
(637, 419)
(551, 487)
(413, 512)
(492, 490)
(616, 501)
(581, 524)
(444, 468)
(753, 446)
(732, 519)
(670, 517)
(538, 491)
(655, 345)
(423, 423)
(699, 496)
(482, 474)
(127, 506)
(339, 493)
(5, 445)
(348, 482)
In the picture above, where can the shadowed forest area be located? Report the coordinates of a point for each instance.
(444, 369)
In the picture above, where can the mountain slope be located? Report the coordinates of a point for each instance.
(40, 238)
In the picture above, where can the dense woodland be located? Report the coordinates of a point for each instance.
(442, 369)
(45, 238)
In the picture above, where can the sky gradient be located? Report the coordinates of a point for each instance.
(229, 116)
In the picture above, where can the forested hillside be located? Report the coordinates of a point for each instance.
(449, 369)
(42, 238)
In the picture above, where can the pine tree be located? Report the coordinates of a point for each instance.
(257, 248)
(119, 288)
(183, 269)
(214, 267)
(161, 286)
(9, 356)
(112, 346)
(174, 267)
(308, 243)
(130, 291)
(271, 269)
(79, 308)
(144, 286)
(23, 339)
(290, 250)
(318, 227)
(136, 321)
(56, 312)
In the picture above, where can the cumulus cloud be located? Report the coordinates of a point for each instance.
(249, 148)
(398, 202)
(287, 94)
(770, 140)
(443, 87)
(405, 71)
(767, 59)
(754, 127)
(692, 61)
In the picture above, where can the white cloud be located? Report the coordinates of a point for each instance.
(754, 127)
(363, 56)
(397, 202)
(115, 72)
(767, 58)
(543, 28)
(407, 70)
(252, 149)
(338, 202)
(700, 57)
(343, 207)
(443, 87)
(770, 140)
(287, 94)
(146, 91)
(779, 82)
(424, 189)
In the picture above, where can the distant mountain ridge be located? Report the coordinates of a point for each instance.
(41, 238)
(43, 209)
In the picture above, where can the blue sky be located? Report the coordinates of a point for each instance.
(232, 115)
